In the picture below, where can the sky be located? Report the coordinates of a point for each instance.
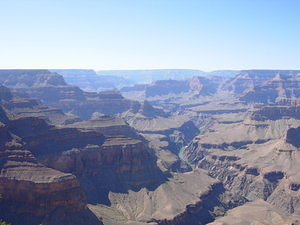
(150, 34)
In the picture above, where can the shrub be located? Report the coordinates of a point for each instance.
(4, 223)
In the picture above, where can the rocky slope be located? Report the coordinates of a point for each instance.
(31, 193)
(163, 205)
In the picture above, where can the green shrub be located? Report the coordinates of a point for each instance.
(4, 223)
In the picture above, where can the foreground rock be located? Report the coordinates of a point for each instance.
(163, 205)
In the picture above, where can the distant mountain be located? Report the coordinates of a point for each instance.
(89, 80)
(146, 76)
(193, 86)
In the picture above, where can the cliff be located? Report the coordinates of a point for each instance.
(24, 107)
(246, 80)
(107, 125)
(123, 163)
(30, 191)
(280, 87)
(277, 111)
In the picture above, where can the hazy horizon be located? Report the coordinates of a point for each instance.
(206, 71)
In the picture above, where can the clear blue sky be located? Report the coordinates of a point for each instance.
(146, 34)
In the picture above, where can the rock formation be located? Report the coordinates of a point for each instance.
(31, 193)
(280, 87)
(246, 80)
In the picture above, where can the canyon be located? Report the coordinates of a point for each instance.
(208, 148)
